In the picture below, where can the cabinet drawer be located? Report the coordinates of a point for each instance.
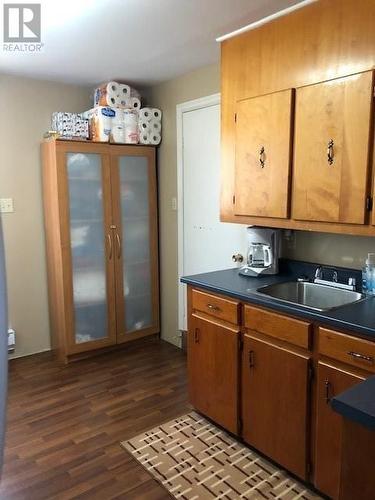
(225, 309)
(350, 350)
(275, 325)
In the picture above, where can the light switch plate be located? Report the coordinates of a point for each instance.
(6, 205)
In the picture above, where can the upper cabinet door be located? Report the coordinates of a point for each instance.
(133, 177)
(331, 150)
(263, 138)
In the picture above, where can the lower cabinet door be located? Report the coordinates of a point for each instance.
(275, 389)
(213, 370)
(331, 381)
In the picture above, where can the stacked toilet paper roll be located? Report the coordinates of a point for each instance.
(125, 127)
(70, 124)
(149, 125)
(100, 122)
(117, 95)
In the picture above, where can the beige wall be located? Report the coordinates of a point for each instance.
(166, 96)
(27, 106)
(330, 249)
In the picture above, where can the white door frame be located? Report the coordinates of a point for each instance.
(203, 102)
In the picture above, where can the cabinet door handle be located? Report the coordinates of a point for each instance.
(363, 357)
(262, 159)
(330, 152)
(251, 359)
(327, 389)
(196, 335)
(212, 307)
(118, 245)
(110, 246)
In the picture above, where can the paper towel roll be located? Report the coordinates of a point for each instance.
(155, 126)
(155, 138)
(145, 114)
(156, 114)
(135, 103)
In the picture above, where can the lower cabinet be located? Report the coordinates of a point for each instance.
(213, 366)
(331, 381)
(275, 395)
(270, 379)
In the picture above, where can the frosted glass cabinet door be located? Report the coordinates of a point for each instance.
(87, 192)
(136, 250)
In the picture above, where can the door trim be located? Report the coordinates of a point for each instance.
(202, 102)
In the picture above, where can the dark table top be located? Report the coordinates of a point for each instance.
(357, 318)
(358, 403)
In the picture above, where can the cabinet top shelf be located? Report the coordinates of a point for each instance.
(99, 143)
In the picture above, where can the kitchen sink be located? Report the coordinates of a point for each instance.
(311, 295)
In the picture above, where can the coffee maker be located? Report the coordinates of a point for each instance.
(263, 251)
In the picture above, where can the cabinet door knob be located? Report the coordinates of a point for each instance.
(251, 359)
(262, 158)
(330, 152)
(110, 246)
(118, 245)
(196, 335)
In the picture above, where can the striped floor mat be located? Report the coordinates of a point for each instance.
(194, 459)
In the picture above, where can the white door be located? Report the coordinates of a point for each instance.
(207, 244)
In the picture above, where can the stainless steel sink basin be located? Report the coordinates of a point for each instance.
(311, 295)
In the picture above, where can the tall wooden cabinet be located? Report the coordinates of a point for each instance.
(102, 251)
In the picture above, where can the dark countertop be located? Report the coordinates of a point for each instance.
(357, 318)
(358, 403)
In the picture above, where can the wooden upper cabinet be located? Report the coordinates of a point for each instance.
(331, 150)
(262, 162)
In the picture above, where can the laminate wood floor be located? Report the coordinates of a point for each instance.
(65, 423)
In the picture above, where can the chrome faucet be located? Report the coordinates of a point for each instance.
(335, 280)
(319, 273)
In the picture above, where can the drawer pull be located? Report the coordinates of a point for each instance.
(357, 355)
(328, 386)
(213, 307)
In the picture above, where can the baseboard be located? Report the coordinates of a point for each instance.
(12, 356)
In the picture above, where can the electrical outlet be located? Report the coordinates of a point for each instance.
(6, 205)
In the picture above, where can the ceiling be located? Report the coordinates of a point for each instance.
(139, 41)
